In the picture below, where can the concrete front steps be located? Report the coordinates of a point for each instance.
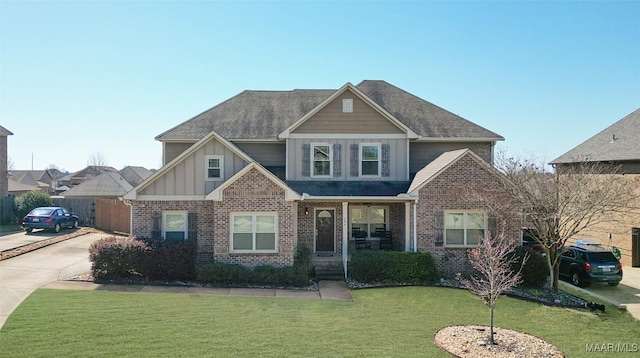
(328, 267)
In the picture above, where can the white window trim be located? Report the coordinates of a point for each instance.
(313, 145)
(253, 214)
(173, 212)
(379, 145)
(466, 221)
(206, 167)
(347, 105)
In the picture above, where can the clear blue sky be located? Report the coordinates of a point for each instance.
(79, 78)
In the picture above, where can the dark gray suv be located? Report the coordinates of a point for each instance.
(587, 263)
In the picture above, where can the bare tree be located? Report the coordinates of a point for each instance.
(97, 159)
(492, 259)
(575, 198)
(10, 164)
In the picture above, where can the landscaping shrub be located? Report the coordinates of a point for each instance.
(535, 271)
(171, 260)
(28, 201)
(223, 274)
(392, 267)
(237, 275)
(118, 258)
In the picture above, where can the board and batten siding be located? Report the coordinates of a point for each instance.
(397, 162)
(423, 153)
(267, 154)
(188, 176)
(172, 150)
(363, 119)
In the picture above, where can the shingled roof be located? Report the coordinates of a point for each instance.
(5, 132)
(264, 114)
(618, 142)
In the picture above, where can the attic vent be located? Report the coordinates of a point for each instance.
(347, 105)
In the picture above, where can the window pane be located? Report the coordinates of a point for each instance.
(321, 152)
(214, 173)
(454, 221)
(370, 168)
(370, 152)
(476, 221)
(243, 241)
(214, 163)
(321, 168)
(266, 241)
(454, 236)
(265, 224)
(377, 216)
(175, 222)
(358, 216)
(174, 235)
(242, 224)
(473, 236)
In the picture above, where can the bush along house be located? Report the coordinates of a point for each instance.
(369, 166)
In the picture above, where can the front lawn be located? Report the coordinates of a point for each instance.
(385, 322)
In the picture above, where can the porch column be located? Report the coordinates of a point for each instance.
(345, 236)
(407, 226)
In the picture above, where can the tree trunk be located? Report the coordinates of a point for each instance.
(556, 274)
(491, 325)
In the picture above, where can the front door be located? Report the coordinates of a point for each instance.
(325, 230)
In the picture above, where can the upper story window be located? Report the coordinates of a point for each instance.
(347, 105)
(321, 160)
(174, 225)
(370, 160)
(463, 228)
(214, 167)
(254, 232)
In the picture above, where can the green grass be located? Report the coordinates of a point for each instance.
(385, 322)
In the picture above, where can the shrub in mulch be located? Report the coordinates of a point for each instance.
(392, 267)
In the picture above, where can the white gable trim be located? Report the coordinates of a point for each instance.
(409, 133)
(290, 194)
(133, 193)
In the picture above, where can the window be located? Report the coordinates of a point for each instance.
(464, 228)
(370, 160)
(347, 105)
(174, 225)
(253, 232)
(321, 162)
(372, 220)
(214, 167)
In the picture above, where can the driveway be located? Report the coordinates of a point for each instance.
(626, 294)
(10, 241)
(21, 275)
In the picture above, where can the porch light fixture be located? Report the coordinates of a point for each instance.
(306, 211)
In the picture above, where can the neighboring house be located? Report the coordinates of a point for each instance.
(4, 184)
(83, 175)
(263, 172)
(109, 185)
(617, 147)
(18, 188)
(40, 179)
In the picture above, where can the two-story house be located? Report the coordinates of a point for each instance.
(265, 171)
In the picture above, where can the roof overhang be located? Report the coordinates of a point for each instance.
(459, 139)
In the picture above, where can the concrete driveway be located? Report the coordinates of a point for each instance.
(21, 275)
(626, 294)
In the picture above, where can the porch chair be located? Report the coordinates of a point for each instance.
(386, 243)
(361, 239)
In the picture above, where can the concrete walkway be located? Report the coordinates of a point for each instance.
(327, 290)
(626, 295)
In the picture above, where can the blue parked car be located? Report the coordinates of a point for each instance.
(50, 218)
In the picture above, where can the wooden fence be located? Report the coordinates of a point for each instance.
(83, 207)
(113, 215)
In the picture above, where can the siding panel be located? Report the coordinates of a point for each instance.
(423, 153)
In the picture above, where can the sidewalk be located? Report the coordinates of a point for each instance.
(327, 290)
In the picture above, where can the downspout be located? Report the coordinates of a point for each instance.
(128, 203)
